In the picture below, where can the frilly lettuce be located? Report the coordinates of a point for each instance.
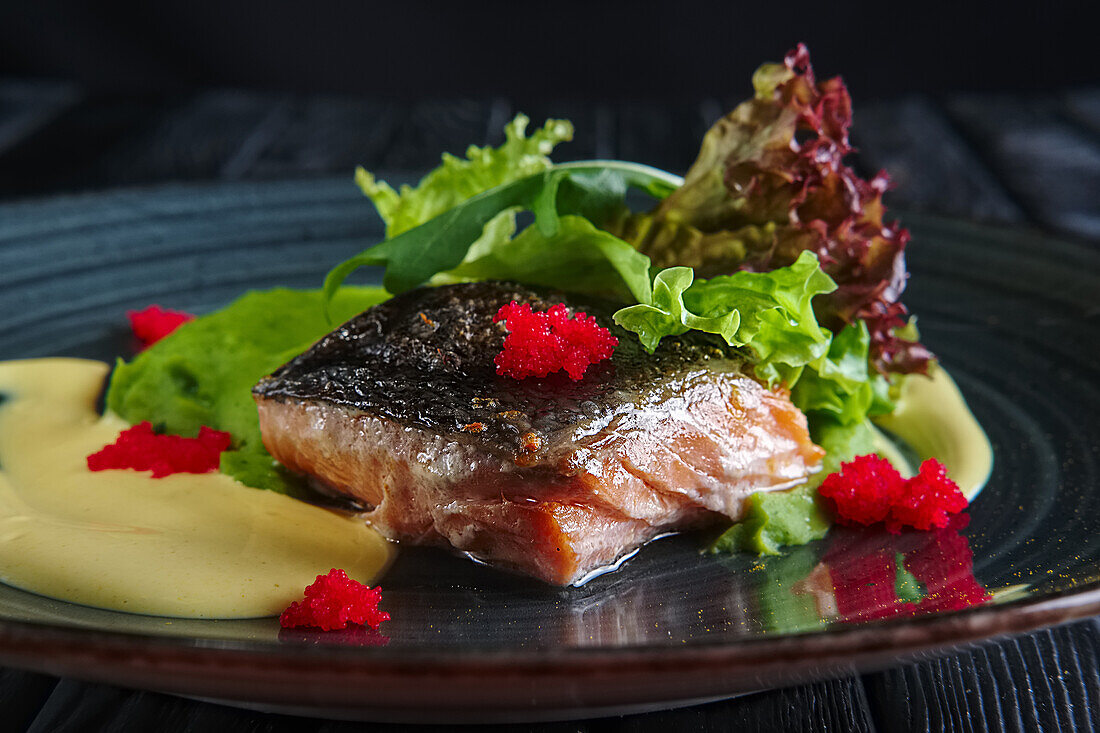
(840, 383)
(458, 179)
(769, 183)
(769, 313)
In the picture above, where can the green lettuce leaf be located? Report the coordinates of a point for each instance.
(203, 372)
(770, 182)
(768, 313)
(590, 189)
(579, 258)
(459, 179)
(838, 383)
(665, 314)
(841, 383)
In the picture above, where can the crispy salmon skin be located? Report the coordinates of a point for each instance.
(401, 409)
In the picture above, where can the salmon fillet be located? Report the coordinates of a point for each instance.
(401, 409)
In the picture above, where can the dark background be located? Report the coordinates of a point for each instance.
(581, 50)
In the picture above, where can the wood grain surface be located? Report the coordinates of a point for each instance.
(1031, 160)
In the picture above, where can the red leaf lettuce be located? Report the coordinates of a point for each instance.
(770, 183)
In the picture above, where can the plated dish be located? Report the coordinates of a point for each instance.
(484, 619)
(542, 396)
(563, 652)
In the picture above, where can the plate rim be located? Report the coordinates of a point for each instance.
(141, 660)
(577, 681)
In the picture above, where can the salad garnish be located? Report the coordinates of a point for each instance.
(770, 244)
(770, 183)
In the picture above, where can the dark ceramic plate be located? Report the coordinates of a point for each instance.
(1014, 315)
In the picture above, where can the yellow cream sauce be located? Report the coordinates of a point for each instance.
(199, 546)
(933, 418)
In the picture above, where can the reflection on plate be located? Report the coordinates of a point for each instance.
(1006, 311)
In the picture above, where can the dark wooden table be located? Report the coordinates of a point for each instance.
(1028, 161)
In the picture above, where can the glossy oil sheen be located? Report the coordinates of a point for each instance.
(1011, 314)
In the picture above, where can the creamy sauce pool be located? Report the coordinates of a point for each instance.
(201, 546)
(933, 418)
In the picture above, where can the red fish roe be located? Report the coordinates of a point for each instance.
(929, 500)
(140, 449)
(864, 489)
(539, 344)
(868, 489)
(154, 323)
(333, 602)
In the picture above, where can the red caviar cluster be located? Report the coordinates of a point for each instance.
(154, 323)
(140, 449)
(868, 490)
(539, 344)
(333, 602)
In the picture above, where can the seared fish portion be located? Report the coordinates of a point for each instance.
(401, 409)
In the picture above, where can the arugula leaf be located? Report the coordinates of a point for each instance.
(459, 179)
(442, 243)
(769, 313)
